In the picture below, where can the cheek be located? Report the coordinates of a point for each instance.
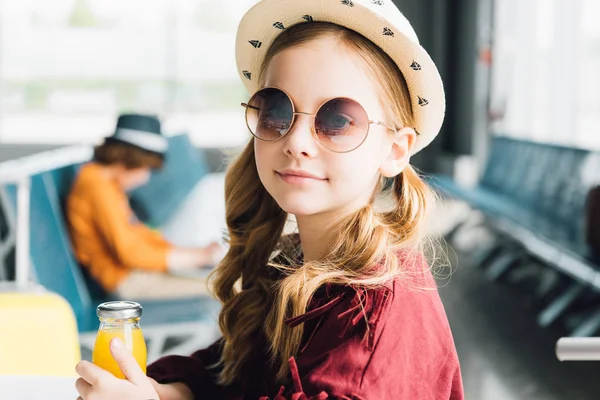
(139, 179)
(144, 178)
(353, 173)
(362, 162)
(263, 153)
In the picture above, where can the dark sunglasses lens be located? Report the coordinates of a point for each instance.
(341, 125)
(269, 114)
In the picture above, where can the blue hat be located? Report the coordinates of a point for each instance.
(141, 131)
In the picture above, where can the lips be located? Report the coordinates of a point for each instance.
(299, 174)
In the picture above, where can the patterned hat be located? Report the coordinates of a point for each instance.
(378, 20)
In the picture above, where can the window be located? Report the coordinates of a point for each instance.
(68, 67)
(545, 83)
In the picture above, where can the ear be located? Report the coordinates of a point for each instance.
(398, 158)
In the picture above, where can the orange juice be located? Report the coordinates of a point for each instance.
(119, 319)
(134, 341)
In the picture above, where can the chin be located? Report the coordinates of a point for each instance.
(298, 207)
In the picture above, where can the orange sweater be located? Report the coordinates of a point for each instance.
(106, 236)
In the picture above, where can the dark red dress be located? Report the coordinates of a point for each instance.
(388, 343)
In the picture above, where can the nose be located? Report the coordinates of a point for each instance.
(300, 141)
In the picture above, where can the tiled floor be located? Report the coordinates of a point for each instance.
(504, 354)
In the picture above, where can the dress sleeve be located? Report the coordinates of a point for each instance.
(193, 371)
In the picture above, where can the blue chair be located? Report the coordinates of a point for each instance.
(534, 194)
(55, 268)
(63, 179)
(185, 166)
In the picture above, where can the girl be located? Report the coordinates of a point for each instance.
(346, 309)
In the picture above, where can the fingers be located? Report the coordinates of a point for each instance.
(91, 373)
(129, 366)
(83, 388)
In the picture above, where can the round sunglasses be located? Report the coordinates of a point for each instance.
(340, 124)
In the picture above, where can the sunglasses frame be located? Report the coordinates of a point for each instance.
(247, 106)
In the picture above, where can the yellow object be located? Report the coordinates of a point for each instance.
(134, 341)
(38, 335)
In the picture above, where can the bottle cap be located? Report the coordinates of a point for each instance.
(119, 310)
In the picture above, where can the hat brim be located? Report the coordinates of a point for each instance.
(112, 139)
(262, 24)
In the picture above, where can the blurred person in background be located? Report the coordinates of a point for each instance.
(120, 253)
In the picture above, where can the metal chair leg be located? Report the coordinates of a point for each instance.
(549, 280)
(589, 326)
(502, 264)
(483, 256)
(555, 309)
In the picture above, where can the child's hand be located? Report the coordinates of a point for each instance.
(210, 255)
(98, 384)
(217, 252)
(172, 391)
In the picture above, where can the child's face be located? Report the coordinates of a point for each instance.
(342, 182)
(134, 178)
